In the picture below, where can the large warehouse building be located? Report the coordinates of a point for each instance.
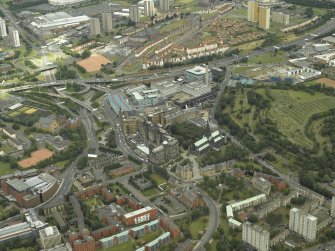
(30, 192)
(65, 2)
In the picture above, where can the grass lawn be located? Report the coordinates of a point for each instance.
(14, 114)
(269, 58)
(241, 69)
(93, 202)
(62, 164)
(126, 246)
(159, 179)
(198, 225)
(5, 168)
(24, 249)
(148, 237)
(175, 24)
(151, 192)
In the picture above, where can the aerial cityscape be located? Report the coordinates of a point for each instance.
(167, 125)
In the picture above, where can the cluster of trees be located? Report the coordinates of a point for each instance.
(91, 220)
(30, 64)
(186, 133)
(325, 4)
(307, 161)
(18, 243)
(111, 141)
(63, 72)
(111, 167)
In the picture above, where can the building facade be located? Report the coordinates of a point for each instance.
(50, 237)
(149, 8)
(95, 26)
(303, 224)
(14, 37)
(280, 17)
(264, 18)
(256, 236)
(107, 22)
(134, 13)
(252, 11)
(3, 29)
(164, 5)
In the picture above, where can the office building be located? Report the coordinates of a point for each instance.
(164, 5)
(303, 224)
(134, 13)
(332, 209)
(252, 11)
(280, 17)
(255, 236)
(264, 18)
(3, 30)
(95, 26)
(14, 37)
(50, 237)
(149, 8)
(107, 22)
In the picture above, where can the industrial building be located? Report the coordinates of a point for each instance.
(141, 215)
(58, 20)
(303, 224)
(65, 2)
(30, 192)
(50, 237)
(198, 73)
(256, 236)
(145, 98)
(118, 103)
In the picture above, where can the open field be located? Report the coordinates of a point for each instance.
(269, 58)
(93, 63)
(326, 81)
(30, 111)
(35, 158)
(159, 179)
(151, 192)
(198, 225)
(148, 237)
(5, 168)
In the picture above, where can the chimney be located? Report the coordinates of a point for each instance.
(206, 73)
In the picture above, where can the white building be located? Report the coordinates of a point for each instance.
(134, 13)
(65, 2)
(280, 17)
(107, 22)
(14, 37)
(50, 237)
(149, 8)
(95, 26)
(255, 236)
(164, 5)
(3, 30)
(332, 209)
(303, 224)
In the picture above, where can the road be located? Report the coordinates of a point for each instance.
(214, 219)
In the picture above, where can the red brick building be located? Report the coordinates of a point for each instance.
(104, 232)
(168, 225)
(139, 216)
(95, 190)
(82, 241)
(130, 201)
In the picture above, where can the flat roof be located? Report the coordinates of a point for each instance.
(197, 70)
(137, 212)
(242, 202)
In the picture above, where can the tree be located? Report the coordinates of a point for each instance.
(16, 126)
(86, 54)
